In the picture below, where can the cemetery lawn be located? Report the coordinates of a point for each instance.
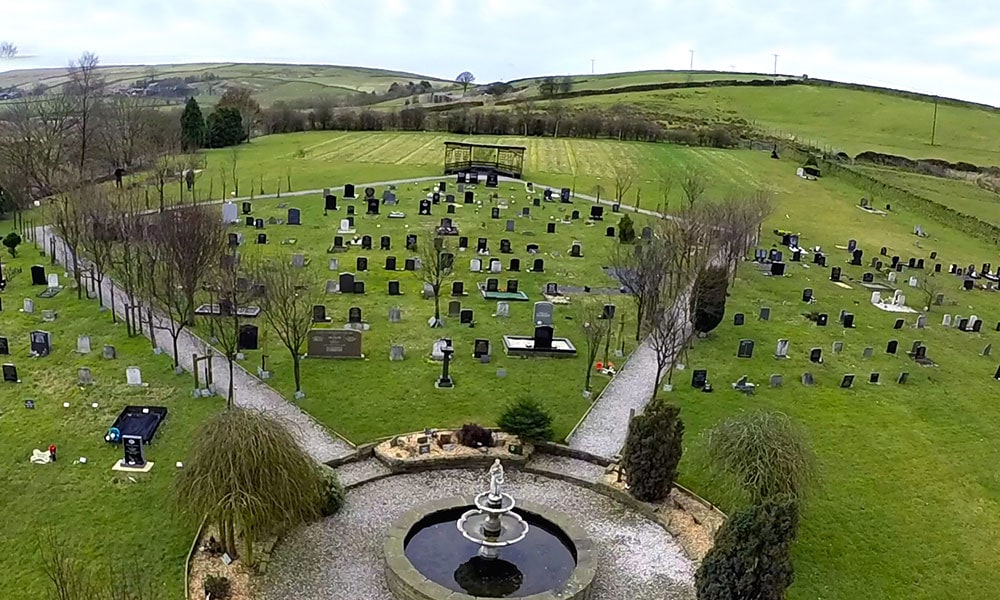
(908, 503)
(102, 517)
(372, 398)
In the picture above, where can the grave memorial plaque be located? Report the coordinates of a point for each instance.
(745, 349)
(248, 337)
(543, 313)
(41, 343)
(699, 377)
(738, 319)
(334, 343)
(4, 346)
(38, 275)
(294, 216)
(132, 450)
(10, 373)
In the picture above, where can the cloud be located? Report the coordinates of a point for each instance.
(947, 49)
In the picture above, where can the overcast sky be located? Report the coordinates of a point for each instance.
(950, 48)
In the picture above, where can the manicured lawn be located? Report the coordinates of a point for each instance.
(848, 120)
(103, 517)
(374, 397)
(907, 505)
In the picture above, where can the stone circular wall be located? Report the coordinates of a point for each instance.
(407, 583)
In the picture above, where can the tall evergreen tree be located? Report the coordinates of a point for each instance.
(225, 127)
(192, 126)
(708, 302)
(653, 450)
(751, 558)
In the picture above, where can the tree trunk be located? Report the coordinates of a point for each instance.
(100, 290)
(437, 306)
(231, 537)
(638, 322)
(586, 384)
(229, 400)
(296, 367)
(114, 315)
(76, 276)
(174, 335)
(149, 324)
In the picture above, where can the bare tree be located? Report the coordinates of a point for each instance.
(930, 287)
(625, 174)
(99, 234)
(233, 295)
(739, 219)
(191, 239)
(233, 165)
(665, 185)
(165, 168)
(86, 87)
(596, 330)
(693, 184)
(436, 270)
(68, 221)
(639, 268)
(36, 142)
(7, 50)
(557, 110)
(69, 579)
(465, 78)
(287, 301)
(130, 229)
(241, 99)
(125, 136)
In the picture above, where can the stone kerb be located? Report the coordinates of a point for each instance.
(406, 583)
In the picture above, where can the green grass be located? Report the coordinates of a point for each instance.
(340, 393)
(607, 81)
(103, 517)
(908, 498)
(849, 120)
(962, 195)
(270, 82)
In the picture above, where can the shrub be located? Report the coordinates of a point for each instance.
(528, 420)
(653, 450)
(751, 557)
(12, 241)
(626, 230)
(474, 436)
(761, 455)
(684, 137)
(718, 137)
(332, 491)
(217, 588)
(708, 302)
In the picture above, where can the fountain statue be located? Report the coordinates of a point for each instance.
(493, 524)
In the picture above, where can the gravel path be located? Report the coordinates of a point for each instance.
(248, 391)
(341, 557)
(361, 470)
(568, 466)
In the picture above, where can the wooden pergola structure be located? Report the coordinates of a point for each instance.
(504, 160)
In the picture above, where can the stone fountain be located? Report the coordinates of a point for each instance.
(492, 524)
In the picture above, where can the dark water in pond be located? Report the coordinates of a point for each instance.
(540, 562)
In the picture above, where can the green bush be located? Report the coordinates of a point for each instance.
(652, 451)
(528, 420)
(751, 557)
(626, 230)
(474, 436)
(217, 588)
(332, 492)
(12, 241)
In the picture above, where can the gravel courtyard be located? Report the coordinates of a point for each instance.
(341, 557)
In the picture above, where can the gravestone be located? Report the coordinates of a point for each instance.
(903, 378)
(470, 197)
(515, 265)
(38, 275)
(109, 352)
(366, 242)
(543, 312)
(349, 191)
(395, 314)
(261, 238)
(738, 319)
(334, 343)
(807, 295)
(745, 349)
(294, 216)
(576, 250)
(248, 338)
(765, 313)
(457, 288)
(922, 321)
(495, 212)
(807, 379)
(609, 232)
(319, 314)
(454, 308)
(596, 213)
(512, 286)
(892, 347)
(133, 376)
(946, 321)
(538, 266)
(699, 377)
(505, 246)
(838, 347)
(396, 352)
(776, 381)
(385, 243)
(230, 213)
(361, 264)
(411, 242)
(394, 288)
(781, 351)
(346, 281)
(465, 317)
(410, 264)
(481, 349)
(354, 315)
(492, 285)
(330, 202)
(503, 310)
(543, 337)
(4, 346)
(849, 321)
(550, 227)
(41, 343)
(816, 355)
(359, 287)
(476, 265)
(425, 208)
(83, 344)
(847, 382)
(835, 274)
(390, 263)
(10, 373)
(868, 352)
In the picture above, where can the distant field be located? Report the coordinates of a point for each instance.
(270, 82)
(615, 80)
(841, 119)
(963, 196)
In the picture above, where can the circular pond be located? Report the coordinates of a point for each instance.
(544, 560)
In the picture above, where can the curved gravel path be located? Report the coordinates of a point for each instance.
(341, 557)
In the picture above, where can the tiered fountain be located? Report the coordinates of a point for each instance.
(488, 546)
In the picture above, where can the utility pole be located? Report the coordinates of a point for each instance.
(691, 66)
(934, 122)
(775, 64)
(592, 66)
